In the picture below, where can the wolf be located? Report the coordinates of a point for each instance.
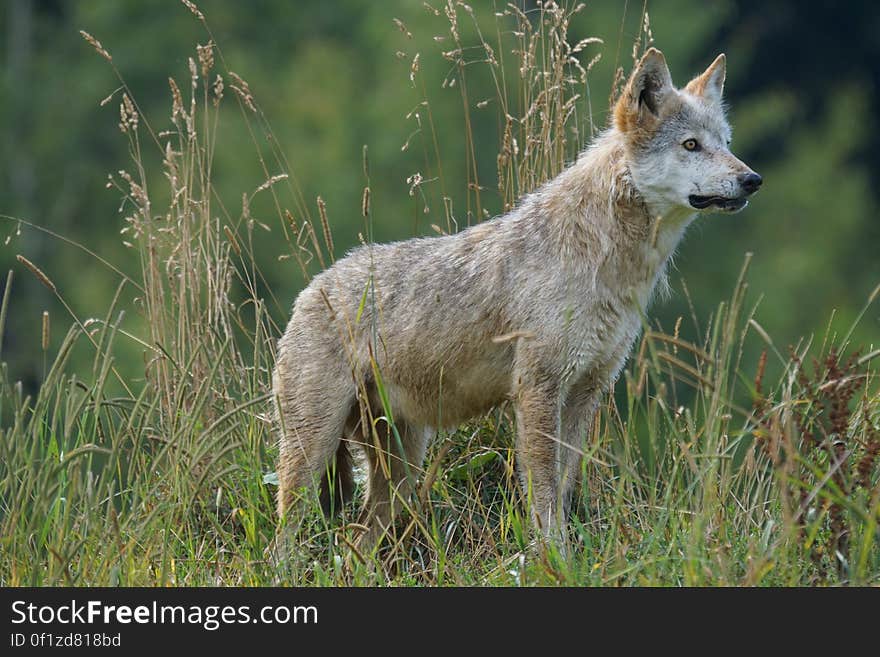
(540, 307)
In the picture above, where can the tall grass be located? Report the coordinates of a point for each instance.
(699, 471)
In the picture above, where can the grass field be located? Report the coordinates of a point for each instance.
(702, 469)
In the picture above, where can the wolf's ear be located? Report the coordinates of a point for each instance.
(710, 84)
(648, 88)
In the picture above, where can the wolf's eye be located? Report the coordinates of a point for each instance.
(691, 145)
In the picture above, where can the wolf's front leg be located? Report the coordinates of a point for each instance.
(578, 414)
(537, 450)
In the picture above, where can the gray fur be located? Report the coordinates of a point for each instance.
(540, 306)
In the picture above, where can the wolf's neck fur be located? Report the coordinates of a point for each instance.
(599, 216)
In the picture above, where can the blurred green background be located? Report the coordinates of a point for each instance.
(803, 88)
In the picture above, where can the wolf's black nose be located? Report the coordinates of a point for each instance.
(750, 182)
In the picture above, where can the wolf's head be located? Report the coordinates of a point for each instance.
(678, 140)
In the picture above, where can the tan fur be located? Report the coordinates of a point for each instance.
(711, 81)
(540, 306)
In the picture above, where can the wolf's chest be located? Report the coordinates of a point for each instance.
(600, 342)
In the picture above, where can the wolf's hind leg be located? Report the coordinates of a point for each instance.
(312, 419)
(394, 467)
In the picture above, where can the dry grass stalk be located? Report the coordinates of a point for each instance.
(96, 45)
(36, 271)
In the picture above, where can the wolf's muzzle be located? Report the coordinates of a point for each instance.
(749, 182)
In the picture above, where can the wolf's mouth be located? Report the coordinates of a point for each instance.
(720, 202)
